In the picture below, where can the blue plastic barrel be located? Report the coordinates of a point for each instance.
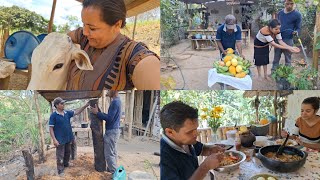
(41, 37)
(19, 47)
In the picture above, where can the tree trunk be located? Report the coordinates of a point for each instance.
(41, 141)
(98, 143)
(29, 165)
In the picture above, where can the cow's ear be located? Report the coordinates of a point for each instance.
(81, 59)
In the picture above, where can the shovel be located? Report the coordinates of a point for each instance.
(303, 49)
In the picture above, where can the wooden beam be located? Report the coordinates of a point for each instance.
(29, 164)
(52, 16)
(134, 26)
(150, 116)
(275, 104)
(51, 110)
(41, 141)
(135, 4)
(130, 118)
(104, 109)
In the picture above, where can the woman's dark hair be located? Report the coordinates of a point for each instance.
(274, 23)
(174, 114)
(313, 101)
(111, 10)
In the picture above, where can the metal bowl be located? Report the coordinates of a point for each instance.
(279, 166)
(235, 166)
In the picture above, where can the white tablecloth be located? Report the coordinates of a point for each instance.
(239, 83)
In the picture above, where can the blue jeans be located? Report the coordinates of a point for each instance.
(278, 52)
(110, 148)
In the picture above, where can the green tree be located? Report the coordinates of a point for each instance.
(17, 18)
(73, 23)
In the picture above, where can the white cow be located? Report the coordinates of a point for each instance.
(51, 60)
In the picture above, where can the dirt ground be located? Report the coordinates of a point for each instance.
(195, 65)
(134, 155)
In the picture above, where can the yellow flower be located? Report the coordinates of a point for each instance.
(203, 116)
(204, 109)
(218, 109)
(218, 116)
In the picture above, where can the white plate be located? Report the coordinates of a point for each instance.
(261, 138)
(290, 142)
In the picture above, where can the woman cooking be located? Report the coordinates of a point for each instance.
(265, 37)
(308, 124)
(118, 62)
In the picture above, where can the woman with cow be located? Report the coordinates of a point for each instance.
(118, 62)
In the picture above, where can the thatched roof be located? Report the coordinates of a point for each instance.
(266, 93)
(70, 95)
(135, 7)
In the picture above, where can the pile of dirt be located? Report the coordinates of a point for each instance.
(136, 154)
(82, 169)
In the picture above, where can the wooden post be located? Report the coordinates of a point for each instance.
(98, 143)
(256, 105)
(134, 27)
(51, 110)
(29, 164)
(41, 141)
(127, 105)
(150, 116)
(275, 104)
(104, 108)
(138, 106)
(52, 16)
(130, 118)
(316, 30)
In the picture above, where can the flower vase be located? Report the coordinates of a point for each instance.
(215, 137)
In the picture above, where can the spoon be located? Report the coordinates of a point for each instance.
(280, 150)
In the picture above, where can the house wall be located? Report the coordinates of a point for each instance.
(222, 11)
(294, 105)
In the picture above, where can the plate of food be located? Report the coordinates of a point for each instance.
(231, 161)
(290, 142)
(263, 177)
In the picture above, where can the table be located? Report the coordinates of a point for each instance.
(203, 44)
(238, 83)
(310, 170)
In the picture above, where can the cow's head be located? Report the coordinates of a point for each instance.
(51, 60)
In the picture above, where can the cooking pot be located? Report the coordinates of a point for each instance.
(260, 130)
(84, 125)
(279, 166)
(247, 139)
